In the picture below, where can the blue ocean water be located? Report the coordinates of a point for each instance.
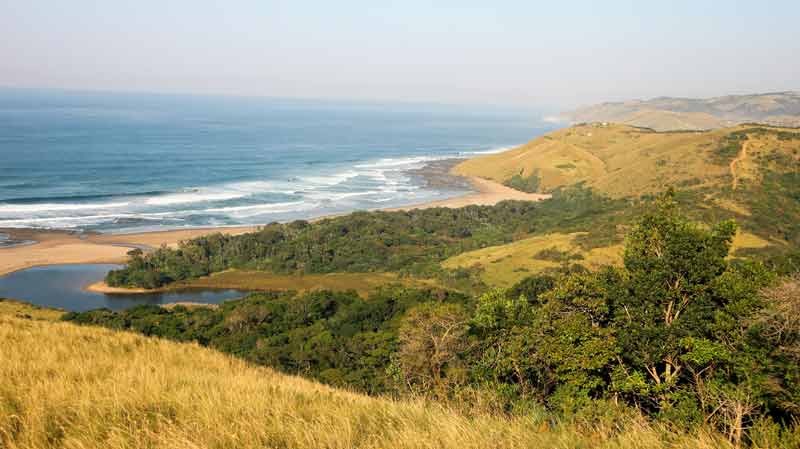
(129, 162)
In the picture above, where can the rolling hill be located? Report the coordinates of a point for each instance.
(667, 113)
(749, 173)
(625, 161)
(69, 386)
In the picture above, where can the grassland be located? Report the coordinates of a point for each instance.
(665, 113)
(504, 265)
(12, 308)
(362, 283)
(748, 173)
(624, 161)
(67, 386)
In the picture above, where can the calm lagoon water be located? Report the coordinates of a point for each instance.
(62, 286)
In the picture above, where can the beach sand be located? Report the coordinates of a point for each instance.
(64, 247)
(488, 193)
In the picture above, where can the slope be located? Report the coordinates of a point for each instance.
(625, 161)
(667, 113)
(63, 385)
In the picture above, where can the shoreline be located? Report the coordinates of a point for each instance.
(56, 247)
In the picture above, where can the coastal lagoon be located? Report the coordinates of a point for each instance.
(63, 287)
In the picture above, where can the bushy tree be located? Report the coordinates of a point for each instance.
(432, 337)
(671, 265)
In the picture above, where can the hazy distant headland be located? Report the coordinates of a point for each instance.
(669, 113)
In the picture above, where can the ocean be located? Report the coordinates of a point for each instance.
(135, 162)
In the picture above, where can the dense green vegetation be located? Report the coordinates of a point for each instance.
(775, 205)
(730, 146)
(528, 184)
(338, 338)
(412, 242)
(680, 333)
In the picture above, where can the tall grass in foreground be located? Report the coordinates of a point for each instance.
(80, 387)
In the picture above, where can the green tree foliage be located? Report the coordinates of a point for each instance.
(678, 332)
(671, 266)
(528, 184)
(411, 242)
(338, 338)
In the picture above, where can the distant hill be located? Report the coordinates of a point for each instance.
(667, 113)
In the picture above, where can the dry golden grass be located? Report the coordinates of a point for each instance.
(745, 240)
(669, 120)
(504, 265)
(666, 114)
(10, 307)
(507, 264)
(623, 161)
(81, 387)
(363, 283)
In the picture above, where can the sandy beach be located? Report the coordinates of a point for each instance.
(488, 193)
(64, 247)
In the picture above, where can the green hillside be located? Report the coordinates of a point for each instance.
(746, 173)
(67, 386)
(676, 332)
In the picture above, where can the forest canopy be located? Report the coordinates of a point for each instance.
(409, 242)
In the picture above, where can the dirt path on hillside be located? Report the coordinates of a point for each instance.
(742, 155)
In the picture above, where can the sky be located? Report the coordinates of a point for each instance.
(524, 53)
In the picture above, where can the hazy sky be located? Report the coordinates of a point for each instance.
(559, 52)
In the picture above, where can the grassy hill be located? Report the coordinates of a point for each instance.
(63, 385)
(505, 265)
(730, 167)
(625, 161)
(750, 173)
(667, 113)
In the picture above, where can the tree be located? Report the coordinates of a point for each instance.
(576, 339)
(431, 338)
(778, 323)
(671, 265)
(543, 336)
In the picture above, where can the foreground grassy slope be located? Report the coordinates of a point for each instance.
(624, 161)
(82, 387)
